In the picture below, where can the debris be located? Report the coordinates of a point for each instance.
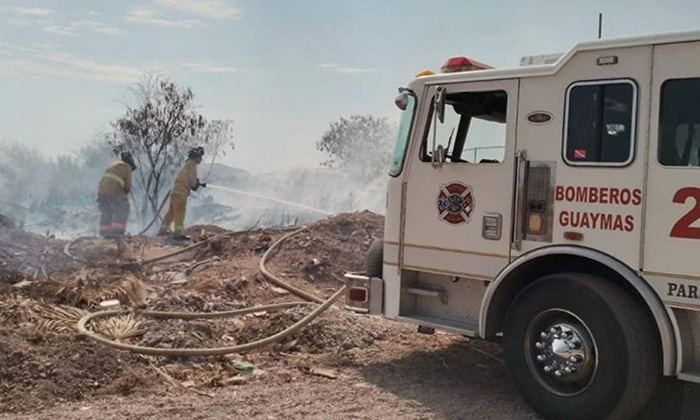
(110, 304)
(279, 291)
(23, 283)
(236, 380)
(220, 276)
(176, 384)
(244, 366)
(175, 277)
(326, 373)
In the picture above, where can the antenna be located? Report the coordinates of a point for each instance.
(600, 25)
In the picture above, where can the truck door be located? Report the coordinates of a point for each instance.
(458, 210)
(672, 231)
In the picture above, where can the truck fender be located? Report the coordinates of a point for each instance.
(511, 279)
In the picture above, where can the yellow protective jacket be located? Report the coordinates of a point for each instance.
(116, 180)
(186, 179)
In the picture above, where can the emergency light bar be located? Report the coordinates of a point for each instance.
(457, 64)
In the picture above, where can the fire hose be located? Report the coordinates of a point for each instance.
(157, 215)
(321, 306)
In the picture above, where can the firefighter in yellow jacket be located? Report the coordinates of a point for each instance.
(185, 181)
(113, 196)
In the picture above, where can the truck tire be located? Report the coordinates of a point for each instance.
(374, 259)
(577, 347)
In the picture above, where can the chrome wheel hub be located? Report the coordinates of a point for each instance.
(561, 352)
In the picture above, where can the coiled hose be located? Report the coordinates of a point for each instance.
(218, 351)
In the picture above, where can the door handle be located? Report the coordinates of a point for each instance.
(520, 178)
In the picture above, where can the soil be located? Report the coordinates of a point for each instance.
(38, 370)
(342, 365)
(41, 366)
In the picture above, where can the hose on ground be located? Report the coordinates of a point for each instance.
(218, 351)
(157, 215)
(183, 250)
(273, 279)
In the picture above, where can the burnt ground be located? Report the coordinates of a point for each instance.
(340, 366)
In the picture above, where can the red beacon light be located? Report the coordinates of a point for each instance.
(458, 64)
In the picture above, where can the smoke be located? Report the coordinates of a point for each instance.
(57, 195)
(291, 197)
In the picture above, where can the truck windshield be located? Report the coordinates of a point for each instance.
(404, 132)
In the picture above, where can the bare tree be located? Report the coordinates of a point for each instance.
(217, 136)
(158, 128)
(361, 143)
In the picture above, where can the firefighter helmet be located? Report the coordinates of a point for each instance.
(196, 152)
(127, 158)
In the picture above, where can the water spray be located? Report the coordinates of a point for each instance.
(269, 198)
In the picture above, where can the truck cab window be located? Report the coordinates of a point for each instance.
(679, 123)
(600, 123)
(474, 130)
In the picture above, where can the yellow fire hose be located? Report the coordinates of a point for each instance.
(218, 351)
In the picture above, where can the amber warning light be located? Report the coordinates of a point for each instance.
(457, 64)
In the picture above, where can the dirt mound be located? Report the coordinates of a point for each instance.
(335, 331)
(329, 248)
(38, 370)
(237, 245)
(192, 301)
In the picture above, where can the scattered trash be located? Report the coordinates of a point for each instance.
(279, 291)
(110, 304)
(326, 373)
(244, 366)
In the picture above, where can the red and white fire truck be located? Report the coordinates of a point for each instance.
(554, 207)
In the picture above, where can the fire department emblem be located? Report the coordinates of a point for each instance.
(455, 203)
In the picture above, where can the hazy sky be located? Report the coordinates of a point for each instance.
(282, 70)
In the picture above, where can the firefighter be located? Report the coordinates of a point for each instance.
(113, 196)
(185, 181)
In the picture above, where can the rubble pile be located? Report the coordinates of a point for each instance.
(43, 361)
(329, 249)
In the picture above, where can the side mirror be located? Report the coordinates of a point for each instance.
(401, 101)
(440, 103)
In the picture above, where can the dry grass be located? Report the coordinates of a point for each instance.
(18, 308)
(207, 375)
(46, 317)
(60, 319)
(121, 328)
(205, 284)
(90, 292)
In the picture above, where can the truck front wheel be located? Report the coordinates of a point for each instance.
(578, 347)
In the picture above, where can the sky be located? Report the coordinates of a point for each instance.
(281, 70)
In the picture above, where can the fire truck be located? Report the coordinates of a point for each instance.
(552, 207)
